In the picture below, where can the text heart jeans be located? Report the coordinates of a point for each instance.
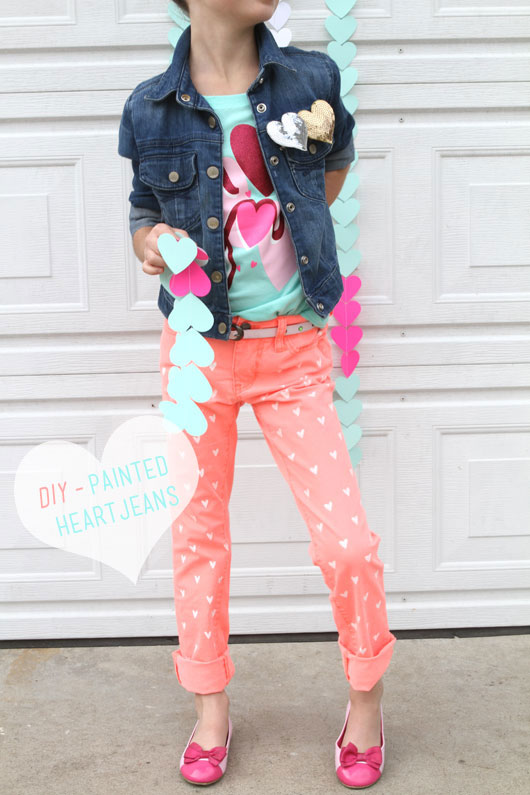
(286, 379)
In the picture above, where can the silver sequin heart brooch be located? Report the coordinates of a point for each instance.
(295, 128)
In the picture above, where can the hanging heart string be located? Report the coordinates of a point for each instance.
(187, 384)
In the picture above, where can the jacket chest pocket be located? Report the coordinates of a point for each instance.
(308, 168)
(175, 183)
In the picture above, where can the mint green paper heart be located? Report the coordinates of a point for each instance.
(341, 29)
(190, 346)
(348, 79)
(340, 7)
(348, 260)
(342, 54)
(184, 416)
(355, 455)
(177, 254)
(346, 236)
(351, 103)
(344, 211)
(351, 183)
(190, 311)
(189, 382)
(348, 411)
(347, 387)
(352, 434)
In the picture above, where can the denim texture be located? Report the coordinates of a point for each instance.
(168, 128)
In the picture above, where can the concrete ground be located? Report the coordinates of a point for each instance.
(105, 720)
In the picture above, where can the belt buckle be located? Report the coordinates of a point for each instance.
(240, 329)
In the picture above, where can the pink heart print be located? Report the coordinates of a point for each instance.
(346, 337)
(346, 312)
(255, 220)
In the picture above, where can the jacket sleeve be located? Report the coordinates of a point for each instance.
(141, 194)
(342, 153)
(142, 216)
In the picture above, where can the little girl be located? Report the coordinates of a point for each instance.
(217, 156)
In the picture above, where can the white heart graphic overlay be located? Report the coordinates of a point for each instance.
(113, 510)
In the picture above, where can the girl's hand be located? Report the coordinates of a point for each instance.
(153, 263)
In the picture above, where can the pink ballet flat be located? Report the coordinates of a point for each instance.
(355, 769)
(200, 766)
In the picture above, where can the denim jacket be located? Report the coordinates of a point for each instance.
(174, 139)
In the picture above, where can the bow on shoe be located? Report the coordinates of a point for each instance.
(349, 755)
(194, 752)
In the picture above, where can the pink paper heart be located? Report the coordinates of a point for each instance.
(351, 286)
(201, 254)
(255, 220)
(348, 362)
(346, 337)
(346, 312)
(192, 280)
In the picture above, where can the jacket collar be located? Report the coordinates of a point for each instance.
(177, 75)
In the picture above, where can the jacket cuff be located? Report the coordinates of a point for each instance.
(142, 216)
(340, 159)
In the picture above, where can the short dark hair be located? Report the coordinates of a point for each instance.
(183, 5)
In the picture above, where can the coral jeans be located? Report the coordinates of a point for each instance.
(286, 379)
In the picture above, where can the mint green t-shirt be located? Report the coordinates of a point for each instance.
(260, 258)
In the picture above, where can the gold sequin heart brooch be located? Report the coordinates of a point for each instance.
(295, 128)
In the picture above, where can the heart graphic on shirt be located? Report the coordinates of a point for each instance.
(247, 152)
(255, 220)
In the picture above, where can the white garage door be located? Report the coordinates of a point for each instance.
(444, 163)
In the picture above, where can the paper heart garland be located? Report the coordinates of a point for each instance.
(187, 384)
(341, 25)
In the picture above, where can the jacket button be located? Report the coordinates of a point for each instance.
(212, 222)
(320, 305)
(312, 148)
(304, 260)
(212, 171)
(274, 160)
(261, 80)
(290, 206)
(221, 328)
(216, 276)
(185, 97)
(261, 107)
(173, 176)
(211, 121)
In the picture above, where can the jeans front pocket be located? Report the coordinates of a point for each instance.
(303, 340)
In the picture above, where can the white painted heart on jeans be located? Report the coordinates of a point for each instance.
(115, 510)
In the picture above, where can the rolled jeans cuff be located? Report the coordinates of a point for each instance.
(198, 676)
(363, 672)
